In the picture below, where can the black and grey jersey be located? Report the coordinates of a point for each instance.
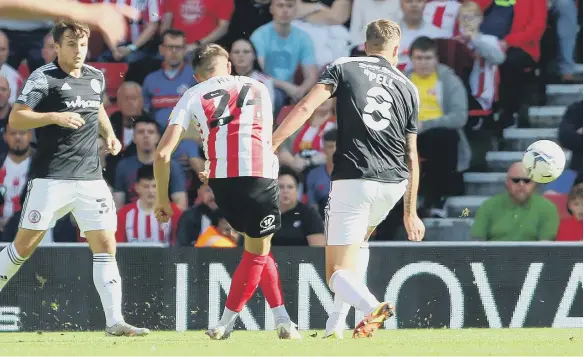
(66, 154)
(376, 107)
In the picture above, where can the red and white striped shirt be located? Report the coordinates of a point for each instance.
(484, 78)
(13, 178)
(439, 21)
(443, 15)
(150, 10)
(137, 225)
(234, 116)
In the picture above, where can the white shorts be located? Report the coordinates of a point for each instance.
(47, 200)
(356, 205)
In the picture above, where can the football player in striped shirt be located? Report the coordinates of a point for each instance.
(234, 117)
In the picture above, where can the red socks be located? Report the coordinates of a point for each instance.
(270, 283)
(245, 280)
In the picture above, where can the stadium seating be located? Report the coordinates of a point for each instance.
(561, 202)
(447, 229)
(544, 122)
(463, 206)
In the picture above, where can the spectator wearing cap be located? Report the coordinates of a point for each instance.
(301, 224)
(571, 227)
(520, 214)
(146, 137)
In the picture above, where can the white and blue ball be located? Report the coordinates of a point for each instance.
(544, 161)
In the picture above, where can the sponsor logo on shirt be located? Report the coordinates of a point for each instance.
(80, 103)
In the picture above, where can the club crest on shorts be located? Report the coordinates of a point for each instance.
(34, 216)
(267, 223)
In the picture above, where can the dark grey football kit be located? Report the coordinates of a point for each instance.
(376, 107)
(65, 174)
(64, 153)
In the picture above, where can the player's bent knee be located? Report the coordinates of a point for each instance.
(101, 241)
(27, 240)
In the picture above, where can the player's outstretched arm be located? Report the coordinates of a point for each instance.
(166, 146)
(301, 113)
(23, 117)
(413, 224)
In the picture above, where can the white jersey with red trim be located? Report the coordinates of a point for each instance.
(149, 12)
(234, 116)
(484, 78)
(13, 179)
(443, 15)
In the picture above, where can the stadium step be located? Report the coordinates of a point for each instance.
(499, 161)
(563, 94)
(484, 183)
(448, 229)
(546, 117)
(520, 139)
(463, 206)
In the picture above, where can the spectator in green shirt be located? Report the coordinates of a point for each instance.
(520, 214)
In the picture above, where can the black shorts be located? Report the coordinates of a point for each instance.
(250, 204)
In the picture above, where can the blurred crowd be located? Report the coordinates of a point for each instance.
(478, 66)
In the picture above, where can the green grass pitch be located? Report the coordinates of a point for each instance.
(438, 342)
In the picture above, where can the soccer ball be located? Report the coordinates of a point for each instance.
(544, 161)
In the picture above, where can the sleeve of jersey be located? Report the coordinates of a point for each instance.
(35, 90)
(412, 125)
(181, 114)
(331, 76)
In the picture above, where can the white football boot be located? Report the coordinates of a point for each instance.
(125, 329)
(287, 331)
